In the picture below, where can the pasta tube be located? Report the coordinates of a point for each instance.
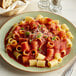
(13, 43)
(25, 46)
(65, 27)
(10, 34)
(40, 56)
(8, 48)
(28, 18)
(34, 45)
(63, 51)
(21, 31)
(18, 48)
(50, 44)
(41, 63)
(39, 17)
(25, 59)
(34, 52)
(22, 22)
(57, 38)
(55, 21)
(59, 29)
(58, 57)
(16, 54)
(9, 40)
(69, 34)
(16, 35)
(26, 52)
(50, 53)
(53, 63)
(33, 62)
(69, 43)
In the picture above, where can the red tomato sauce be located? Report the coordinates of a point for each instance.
(41, 34)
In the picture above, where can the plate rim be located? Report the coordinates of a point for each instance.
(37, 71)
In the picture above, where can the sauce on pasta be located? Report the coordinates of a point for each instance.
(38, 42)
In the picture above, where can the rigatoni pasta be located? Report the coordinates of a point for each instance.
(69, 34)
(65, 27)
(16, 54)
(53, 63)
(57, 55)
(13, 43)
(38, 42)
(25, 59)
(33, 62)
(18, 48)
(9, 40)
(41, 63)
(69, 43)
(22, 22)
(39, 17)
(40, 56)
(28, 18)
(8, 48)
(63, 51)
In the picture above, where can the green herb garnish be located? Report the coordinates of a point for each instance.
(34, 25)
(45, 36)
(39, 49)
(30, 40)
(22, 28)
(53, 38)
(39, 35)
(40, 26)
(27, 33)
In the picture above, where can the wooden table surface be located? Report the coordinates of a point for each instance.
(68, 11)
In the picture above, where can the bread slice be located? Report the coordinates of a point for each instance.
(5, 3)
(1, 3)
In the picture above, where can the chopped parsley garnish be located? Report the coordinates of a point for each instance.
(30, 40)
(45, 36)
(53, 38)
(39, 35)
(39, 49)
(40, 26)
(27, 33)
(22, 28)
(34, 24)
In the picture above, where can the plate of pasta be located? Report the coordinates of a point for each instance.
(38, 41)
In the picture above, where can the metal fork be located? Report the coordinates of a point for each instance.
(69, 71)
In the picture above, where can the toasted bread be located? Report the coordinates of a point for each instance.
(5, 3)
